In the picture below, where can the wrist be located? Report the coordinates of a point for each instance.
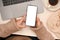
(14, 21)
(38, 27)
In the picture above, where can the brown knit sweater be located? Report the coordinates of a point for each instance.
(8, 28)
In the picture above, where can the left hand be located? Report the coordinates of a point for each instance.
(21, 23)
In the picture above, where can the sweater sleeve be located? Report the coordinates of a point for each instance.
(43, 34)
(8, 28)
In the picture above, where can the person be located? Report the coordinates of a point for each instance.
(15, 25)
(12, 26)
(42, 32)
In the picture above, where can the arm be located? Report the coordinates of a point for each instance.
(41, 31)
(43, 34)
(8, 28)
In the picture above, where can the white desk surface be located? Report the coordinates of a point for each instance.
(26, 31)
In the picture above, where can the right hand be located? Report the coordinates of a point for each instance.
(38, 25)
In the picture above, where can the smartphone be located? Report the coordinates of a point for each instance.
(31, 15)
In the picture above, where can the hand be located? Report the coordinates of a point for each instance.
(21, 23)
(41, 31)
(38, 25)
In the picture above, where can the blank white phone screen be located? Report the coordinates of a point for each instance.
(31, 15)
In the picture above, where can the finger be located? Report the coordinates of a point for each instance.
(23, 25)
(18, 20)
(24, 17)
(38, 21)
(24, 20)
(19, 23)
(21, 20)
